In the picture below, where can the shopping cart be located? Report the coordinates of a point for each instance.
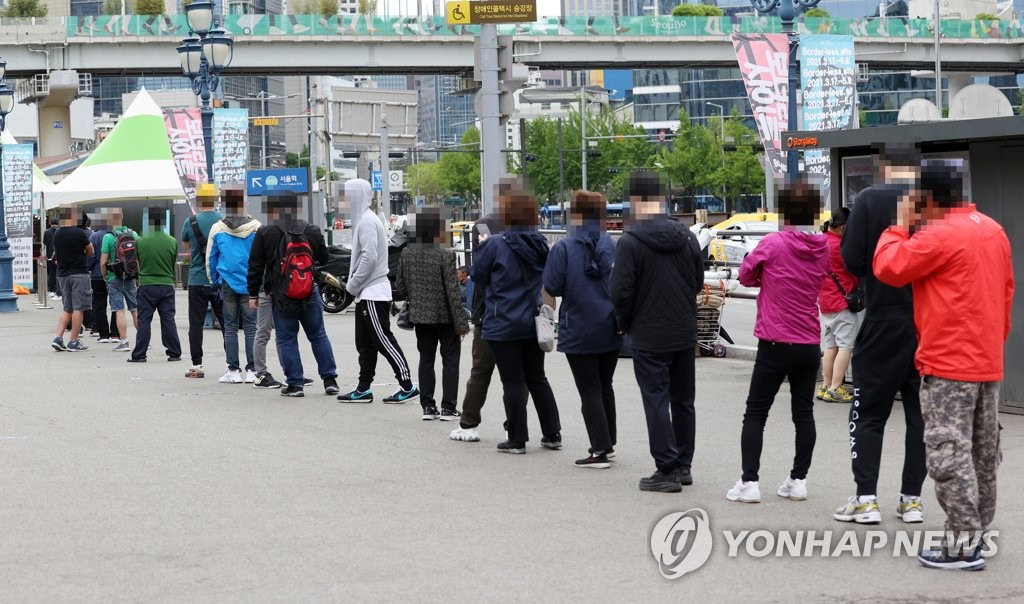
(710, 304)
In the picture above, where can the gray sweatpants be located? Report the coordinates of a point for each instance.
(961, 437)
(264, 325)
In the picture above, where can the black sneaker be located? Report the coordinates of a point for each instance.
(357, 396)
(402, 396)
(138, 360)
(330, 386)
(661, 483)
(449, 415)
(430, 413)
(554, 442)
(609, 453)
(683, 476)
(511, 447)
(173, 359)
(599, 462)
(265, 381)
(939, 558)
(292, 391)
(307, 381)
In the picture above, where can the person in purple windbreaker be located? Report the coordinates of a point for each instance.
(789, 267)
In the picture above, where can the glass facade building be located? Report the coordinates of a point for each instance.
(444, 115)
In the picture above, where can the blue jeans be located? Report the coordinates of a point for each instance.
(312, 321)
(236, 306)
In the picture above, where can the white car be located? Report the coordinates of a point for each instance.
(733, 242)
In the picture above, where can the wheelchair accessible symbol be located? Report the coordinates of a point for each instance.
(458, 13)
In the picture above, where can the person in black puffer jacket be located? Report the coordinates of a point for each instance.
(509, 267)
(654, 283)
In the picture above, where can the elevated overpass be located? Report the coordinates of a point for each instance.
(352, 44)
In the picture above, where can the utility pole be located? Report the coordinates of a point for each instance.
(583, 137)
(490, 120)
(522, 147)
(938, 62)
(385, 179)
(561, 169)
(329, 162)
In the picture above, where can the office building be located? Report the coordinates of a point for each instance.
(444, 114)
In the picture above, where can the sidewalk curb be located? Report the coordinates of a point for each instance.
(745, 353)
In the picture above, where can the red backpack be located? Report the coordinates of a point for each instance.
(296, 277)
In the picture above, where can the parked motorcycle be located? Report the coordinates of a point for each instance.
(332, 277)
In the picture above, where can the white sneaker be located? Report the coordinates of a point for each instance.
(469, 435)
(794, 489)
(250, 377)
(744, 492)
(231, 377)
(910, 511)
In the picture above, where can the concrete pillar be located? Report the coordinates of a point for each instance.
(956, 81)
(55, 113)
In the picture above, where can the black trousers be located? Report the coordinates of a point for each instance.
(51, 277)
(201, 297)
(521, 367)
(776, 362)
(99, 309)
(373, 337)
(479, 381)
(666, 382)
(428, 337)
(156, 299)
(883, 364)
(593, 374)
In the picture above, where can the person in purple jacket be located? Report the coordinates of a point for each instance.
(789, 267)
(577, 270)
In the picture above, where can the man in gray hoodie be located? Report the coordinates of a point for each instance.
(368, 282)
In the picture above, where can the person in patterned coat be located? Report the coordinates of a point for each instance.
(427, 278)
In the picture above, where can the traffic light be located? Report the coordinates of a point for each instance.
(593, 153)
(350, 154)
(396, 154)
(511, 76)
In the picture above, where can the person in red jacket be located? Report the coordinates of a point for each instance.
(840, 322)
(958, 262)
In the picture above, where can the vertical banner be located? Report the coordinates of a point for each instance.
(764, 62)
(17, 174)
(230, 145)
(185, 131)
(828, 79)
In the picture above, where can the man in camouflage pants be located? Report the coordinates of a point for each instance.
(958, 261)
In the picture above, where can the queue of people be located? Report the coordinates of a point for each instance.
(922, 253)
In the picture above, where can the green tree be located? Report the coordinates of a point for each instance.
(693, 159)
(328, 8)
(986, 17)
(301, 160)
(367, 7)
(697, 10)
(113, 7)
(149, 7)
(817, 13)
(460, 172)
(25, 8)
(425, 179)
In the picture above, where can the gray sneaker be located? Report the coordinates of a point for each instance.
(77, 346)
(122, 346)
(58, 345)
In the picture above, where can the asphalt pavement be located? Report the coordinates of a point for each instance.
(129, 482)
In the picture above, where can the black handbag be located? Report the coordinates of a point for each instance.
(855, 299)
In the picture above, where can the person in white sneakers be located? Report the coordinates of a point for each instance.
(227, 263)
(789, 267)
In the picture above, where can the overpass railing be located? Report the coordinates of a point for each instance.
(113, 26)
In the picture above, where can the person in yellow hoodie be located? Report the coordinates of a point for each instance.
(227, 264)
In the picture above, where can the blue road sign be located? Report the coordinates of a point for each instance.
(375, 181)
(268, 182)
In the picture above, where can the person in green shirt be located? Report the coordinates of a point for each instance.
(157, 252)
(121, 293)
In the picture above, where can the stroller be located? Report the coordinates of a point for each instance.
(710, 304)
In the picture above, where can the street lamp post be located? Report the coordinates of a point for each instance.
(8, 300)
(203, 56)
(787, 14)
(721, 124)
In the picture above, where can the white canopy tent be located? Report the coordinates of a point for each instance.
(133, 163)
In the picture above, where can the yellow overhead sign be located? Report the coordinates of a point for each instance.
(265, 121)
(463, 12)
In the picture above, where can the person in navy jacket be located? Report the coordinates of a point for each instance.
(509, 267)
(577, 270)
